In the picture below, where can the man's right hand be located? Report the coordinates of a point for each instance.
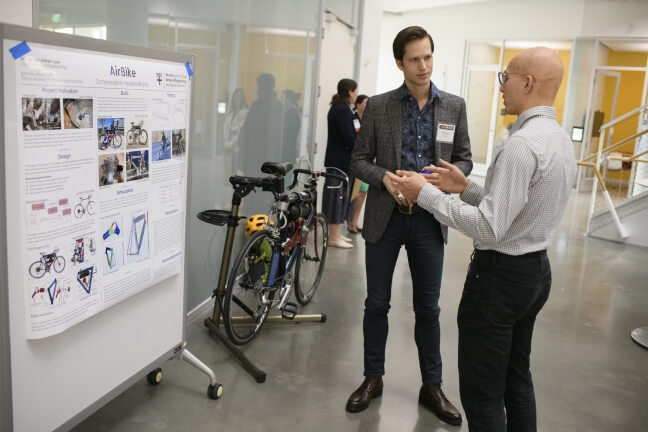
(394, 192)
(447, 177)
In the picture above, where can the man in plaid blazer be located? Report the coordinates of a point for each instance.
(407, 128)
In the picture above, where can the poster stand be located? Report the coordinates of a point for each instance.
(105, 312)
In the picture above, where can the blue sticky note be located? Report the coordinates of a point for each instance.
(19, 50)
(189, 71)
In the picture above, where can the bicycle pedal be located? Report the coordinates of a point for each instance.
(289, 310)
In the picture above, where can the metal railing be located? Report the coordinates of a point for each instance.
(628, 128)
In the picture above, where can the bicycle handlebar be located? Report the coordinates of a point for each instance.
(315, 175)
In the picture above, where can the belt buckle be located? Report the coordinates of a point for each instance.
(405, 209)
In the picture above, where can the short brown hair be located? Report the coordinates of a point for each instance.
(407, 35)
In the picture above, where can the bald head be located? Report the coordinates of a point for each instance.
(547, 70)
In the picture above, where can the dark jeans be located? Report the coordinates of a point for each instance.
(501, 298)
(421, 235)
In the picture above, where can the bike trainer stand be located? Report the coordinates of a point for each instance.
(231, 218)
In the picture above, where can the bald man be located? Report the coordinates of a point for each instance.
(511, 220)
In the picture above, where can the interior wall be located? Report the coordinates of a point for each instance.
(369, 46)
(506, 19)
(630, 92)
(16, 12)
(337, 55)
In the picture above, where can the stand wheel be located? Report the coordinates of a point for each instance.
(215, 391)
(155, 376)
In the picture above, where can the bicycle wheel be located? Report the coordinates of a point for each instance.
(90, 209)
(143, 136)
(247, 296)
(78, 210)
(310, 263)
(37, 269)
(59, 264)
(130, 137)
(116, 142)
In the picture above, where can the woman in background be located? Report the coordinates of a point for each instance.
(339, 145)
(358, 200)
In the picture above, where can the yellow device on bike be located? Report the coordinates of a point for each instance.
(255, 223)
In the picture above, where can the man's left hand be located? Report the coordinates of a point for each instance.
(409, 183)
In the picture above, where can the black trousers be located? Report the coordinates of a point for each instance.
(501, 299)
(421, 234)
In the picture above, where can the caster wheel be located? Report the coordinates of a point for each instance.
(215, 391)
(154, 377)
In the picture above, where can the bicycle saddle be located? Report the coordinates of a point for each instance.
(276, 168)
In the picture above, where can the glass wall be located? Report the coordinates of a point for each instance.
(253, 92)
(488, 123)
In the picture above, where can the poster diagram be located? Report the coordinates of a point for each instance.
(77, 113)
(110, 133)
(138, 238)
(179, 142)
(161, 145)
(48, 210)
(41, 114)
(49, 262)
(85, 206)
(111, 169)
(137, 135)
(137, 165)
(50, 295)
(95, 208)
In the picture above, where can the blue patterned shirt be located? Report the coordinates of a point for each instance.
(418, 130)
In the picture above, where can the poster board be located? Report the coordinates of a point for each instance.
(95, 147)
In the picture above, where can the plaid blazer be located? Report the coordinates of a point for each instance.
(380, 137)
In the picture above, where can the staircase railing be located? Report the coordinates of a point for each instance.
(632, 127)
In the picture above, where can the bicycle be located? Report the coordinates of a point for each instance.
(295, 240)
(80, 209)
(164, 146)
(110, 139)
(137, 133)
(47, 261)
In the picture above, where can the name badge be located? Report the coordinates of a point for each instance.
(356, 124)
(445, 133)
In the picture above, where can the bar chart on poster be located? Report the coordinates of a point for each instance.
(95, 176)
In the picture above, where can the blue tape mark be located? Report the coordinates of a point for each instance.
(189, 71)
(19, 50)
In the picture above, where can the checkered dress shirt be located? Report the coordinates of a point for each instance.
(525, 193)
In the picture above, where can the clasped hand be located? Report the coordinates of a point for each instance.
(448, 178)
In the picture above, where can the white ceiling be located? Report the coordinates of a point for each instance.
(398, 6)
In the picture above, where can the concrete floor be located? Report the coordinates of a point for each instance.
(589, 374)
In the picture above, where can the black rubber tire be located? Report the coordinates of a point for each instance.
(154, 377)
(243, 333)
(310, 265)
(215, 391)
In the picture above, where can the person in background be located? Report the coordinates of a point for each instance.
(511, 220)
(339, 145)
(406, 128)
(260, 139)
(291, 125)
(234, 119)
(358, 201)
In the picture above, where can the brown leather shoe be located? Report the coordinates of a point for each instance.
(359, 400)
(433, 398)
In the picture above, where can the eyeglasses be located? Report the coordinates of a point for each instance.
(502, 77)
